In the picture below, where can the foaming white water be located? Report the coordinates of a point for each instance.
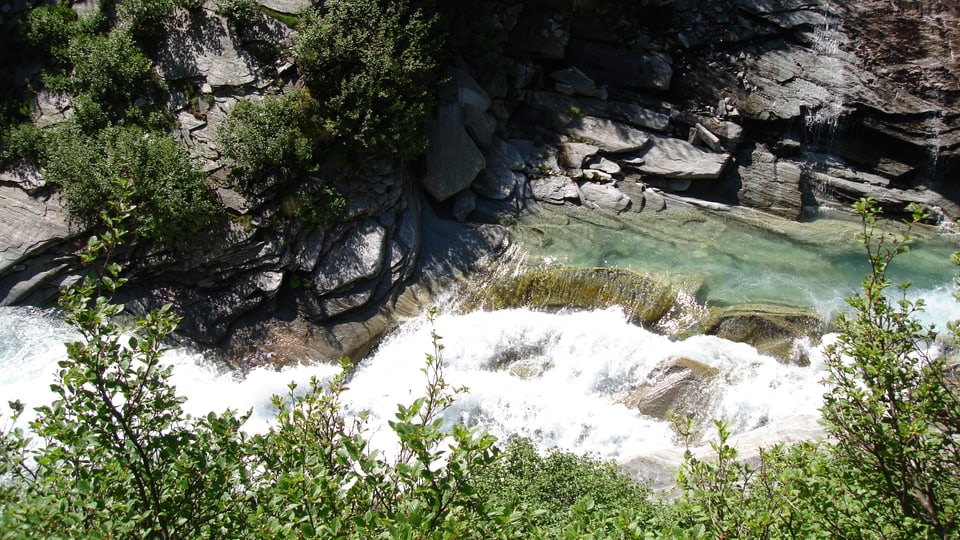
(32, 342)
(561, 378)
(558, 378)
(940, 306)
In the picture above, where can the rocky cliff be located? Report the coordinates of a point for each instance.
(781, 105)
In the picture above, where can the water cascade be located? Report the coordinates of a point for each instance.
(580, 380)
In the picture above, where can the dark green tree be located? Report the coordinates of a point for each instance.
(371, 67)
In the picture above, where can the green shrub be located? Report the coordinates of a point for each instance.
(891, 406)
(237, 11)
(561, 490)
(145, 17)
(260, 135)
(370, 65)
(325, 206)
(49, 28)
(109, 68)
(172, 197)
(119, 457)
(23, 141)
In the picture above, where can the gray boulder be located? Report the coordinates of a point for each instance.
(554, 189)
(497, 182)
(480, 125)
(608, 135)
(576, 81)
(360, 255)
(453, 159)
(463, 204)
(678, 159)
(290, 7)
(30, 227)
(769, 184)
(630, 113)
(204, 47)
(573, 154)
(604, 197)
(469, 92)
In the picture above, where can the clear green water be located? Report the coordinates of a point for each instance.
(741, 256)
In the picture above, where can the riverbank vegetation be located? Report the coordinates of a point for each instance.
(115, 455)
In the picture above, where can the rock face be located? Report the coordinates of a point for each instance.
(31, 257)
(735, 101)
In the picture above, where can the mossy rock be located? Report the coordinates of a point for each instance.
(645, 299)
(772, 329)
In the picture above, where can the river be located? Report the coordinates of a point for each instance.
(561, 377)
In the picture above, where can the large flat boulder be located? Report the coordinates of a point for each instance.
(608, 135)
(773, 330)
(28, 225)
(667, 157)
(604, 197)
(359, 255)
(554, 189)
(290, 7)
(630, 113)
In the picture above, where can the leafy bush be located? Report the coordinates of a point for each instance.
(172, 197)
(23, 141)
(370, 65)
(108, 68)
(891, 406)
(237, 11)
(120, 458)
(145, 17)
(49, 28)
(563, 492)
(258, 136)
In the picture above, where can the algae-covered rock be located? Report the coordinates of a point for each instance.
(644, 298)
(773, 330)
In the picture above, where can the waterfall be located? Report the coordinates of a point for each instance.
(576, 379)
(822, 121)
(562, 379)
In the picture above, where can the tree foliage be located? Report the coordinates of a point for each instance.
(891, 407)
(168, 188)
(118, 456)
(274, 132)
(371, 65)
